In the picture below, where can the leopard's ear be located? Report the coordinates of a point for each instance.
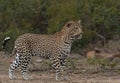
(69, 24)
(79, 21)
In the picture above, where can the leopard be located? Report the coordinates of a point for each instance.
(55, 47)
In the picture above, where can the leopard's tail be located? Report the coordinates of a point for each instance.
(4, 45)
(5, 42)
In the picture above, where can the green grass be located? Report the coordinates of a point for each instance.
(102, 63)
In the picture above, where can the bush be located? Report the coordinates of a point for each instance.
(45, 16)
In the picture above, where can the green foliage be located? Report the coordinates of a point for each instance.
(60, 12)
(46, 16)
(101, 16)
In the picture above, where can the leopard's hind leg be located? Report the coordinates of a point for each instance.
(24, 65)
(16, 63)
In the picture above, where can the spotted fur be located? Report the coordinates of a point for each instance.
(55, 47)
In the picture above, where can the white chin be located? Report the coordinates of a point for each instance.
(79, 37)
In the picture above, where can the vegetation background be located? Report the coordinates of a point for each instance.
(99, 18)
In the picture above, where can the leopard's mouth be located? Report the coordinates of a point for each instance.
(78, 36)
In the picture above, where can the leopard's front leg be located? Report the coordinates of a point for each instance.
(58, 64)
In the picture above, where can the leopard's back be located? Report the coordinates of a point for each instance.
(37, 44)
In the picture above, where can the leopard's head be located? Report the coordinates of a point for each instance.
(73, 29)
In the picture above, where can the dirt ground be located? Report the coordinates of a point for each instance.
(78, 71)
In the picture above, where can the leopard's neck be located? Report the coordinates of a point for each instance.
(64, 37)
